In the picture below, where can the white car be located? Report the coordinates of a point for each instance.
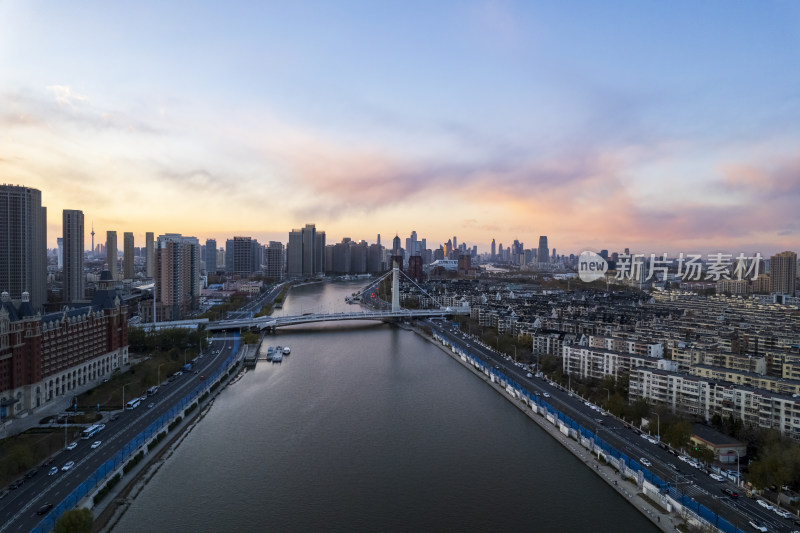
(645, 462)
(716, 477)
(758, 526)
(782, 513)
(96, 443)
(72, 445)
(765, 505)
(68, 466)
(546, 395)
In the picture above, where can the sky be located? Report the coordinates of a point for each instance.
(656, 126)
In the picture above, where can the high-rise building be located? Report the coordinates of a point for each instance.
(242, 256)
(415, 270)
(177, 277)
(455, 243)
(305, 254)
(23, 244)
(375, 259)
(543, 254)
(211, 256)
(111, 253)
(127, 255)
(149, 255)
(72, 229)
(275, 261)
(494, 251)
(60, 244)
(396, 245)
(783, 273)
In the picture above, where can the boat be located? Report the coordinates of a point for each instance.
(286, 350)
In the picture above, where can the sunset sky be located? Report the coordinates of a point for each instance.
(659, 126)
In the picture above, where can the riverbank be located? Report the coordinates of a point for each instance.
(111, 509)
(669, 522)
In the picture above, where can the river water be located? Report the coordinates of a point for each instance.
(368, 427)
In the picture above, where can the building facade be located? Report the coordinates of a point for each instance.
(177, 277)
(305, 254)
(210, 256)
(23, 244)
(783, 273)
(111, 254)
(127, 255)
(72, 229)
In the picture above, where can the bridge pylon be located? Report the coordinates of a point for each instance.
(395, 288)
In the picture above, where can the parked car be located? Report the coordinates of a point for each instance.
(765, 505)
(716, 477)
(731, 493)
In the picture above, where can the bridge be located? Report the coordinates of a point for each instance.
(272, 322)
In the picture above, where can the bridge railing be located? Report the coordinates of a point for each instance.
(99, 475)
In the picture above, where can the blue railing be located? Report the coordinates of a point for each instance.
(99, 475)
(685, 500)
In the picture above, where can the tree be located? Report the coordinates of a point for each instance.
(75, 521)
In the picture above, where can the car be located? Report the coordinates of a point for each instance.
(643, 435)
(44, 508)
(645, 462)
(72, 445)
(765, 505)
(17, 484)
(546, 394)
(114, 417)
(31, 473)
(731, 493)
(528, 375)
(758, 526)
(96, 443)
(202, 376)
(53, 471)
(599, 420)
(68, 465)
(150, 405)
(674, 467)
(143, 398)
(780, 512)
(651, 440)
(716, 477)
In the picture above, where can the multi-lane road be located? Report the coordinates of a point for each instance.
(18, 509)
(694, 482)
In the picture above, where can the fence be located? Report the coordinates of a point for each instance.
(496, 375)
(99, 475)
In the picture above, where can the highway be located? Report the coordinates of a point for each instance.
(18, 508)
(627, 439)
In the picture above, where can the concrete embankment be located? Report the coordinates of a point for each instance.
(642, 498)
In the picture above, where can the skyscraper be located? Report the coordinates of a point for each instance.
(396, 245)
(60, 243)
(23, 244)
(783, 273)
(276, 260)
(127, 255)
(149, 255)
(72, 228)
(543, 256)
(177, 275)
(494, 250)
(243, 256)
(305, 254)
(211, 256)
(111, 253)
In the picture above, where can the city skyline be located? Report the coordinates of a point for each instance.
(668, 128)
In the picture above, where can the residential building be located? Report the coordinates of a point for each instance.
(275, 264)
(543, 254)
(127, 255)
(23, 244)
(111, 254)
(72, 230)
(305, 254)
(149, 255)
(211, 256)
(783, 273)
(177, 278)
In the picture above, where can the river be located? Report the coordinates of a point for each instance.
(368, 427)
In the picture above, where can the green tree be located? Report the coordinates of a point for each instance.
(75, 521)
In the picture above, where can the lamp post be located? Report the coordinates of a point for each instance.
(608, 399)
(737, 467)
(123, 395)
(658, 427)
(158, 374)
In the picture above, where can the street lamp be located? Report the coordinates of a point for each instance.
(608, 399)
(123, 395)
(737, 466)
(158, 374)
(658, 427)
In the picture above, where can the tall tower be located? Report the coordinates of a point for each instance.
(494, 250)
(92, 238)
(543, 255)
(23, 244)
(72, 229)
(783, 273)
(127, 255)
(111, 253)
(211, 256)
(149, 255)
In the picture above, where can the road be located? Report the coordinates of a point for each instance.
(18, 508)
(626, 439)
